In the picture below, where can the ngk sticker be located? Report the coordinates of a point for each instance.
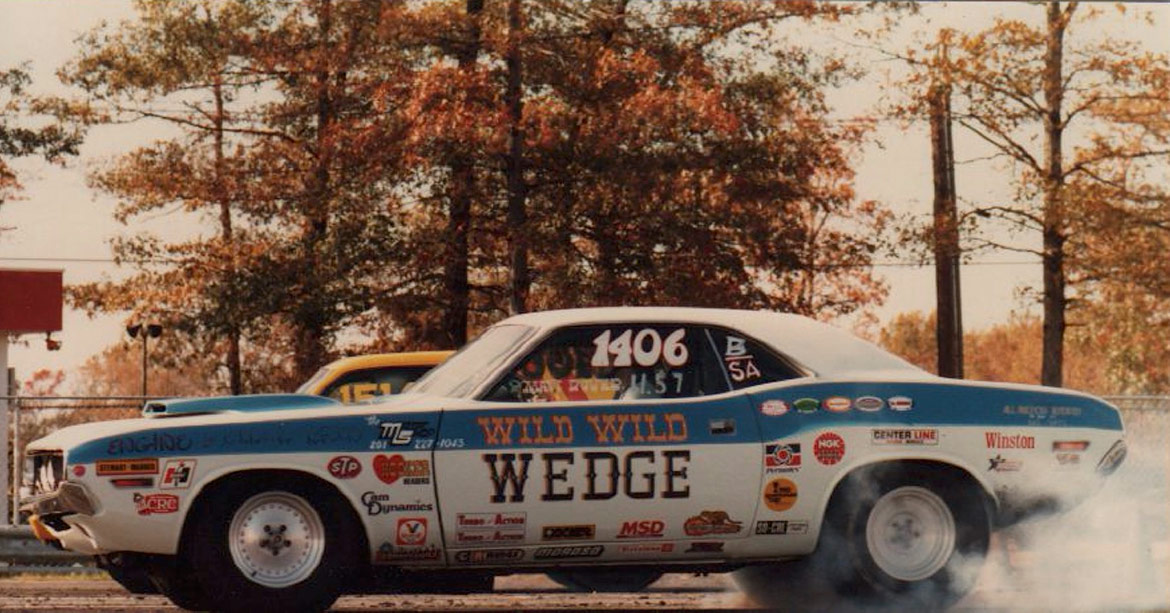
(829, 448)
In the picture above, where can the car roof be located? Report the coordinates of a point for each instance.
(826, 350)
(376, 360)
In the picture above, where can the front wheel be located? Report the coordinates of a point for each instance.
(283, 543)
(605, 580)
(905, 536)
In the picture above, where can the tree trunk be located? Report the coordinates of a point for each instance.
(457, 246)
(949, 325)
(235, 384)
(517, 216)
(1055, 231)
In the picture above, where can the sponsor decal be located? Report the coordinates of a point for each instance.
(782, 457)
(344, 467)
(901, 403)
(490, 528)
(148, 443)
(1049, 415)
(144, 466)
(1068, 459)
(780, 494)
(904, 436)
(156, 504)
(806, 405)
(489, 556)
(774, 408)
(568, 551)
(869, 404)
(646, 548)
(999, 440)
(411, 531)
(829, 448)
(612, 428)
(582, 532)
(781, 528)
(379, 504)
(132, 482)
(79, 470)
(837, 404)
(706, 547)
(708, 523)
(644, 529)
(721, 426)
(389, 553)
(177, 474)
(641, 474)
(399, 433)
(1070, 445)
(391, 468)
(1000, 464)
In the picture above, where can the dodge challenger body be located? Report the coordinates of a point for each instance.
(603, 446)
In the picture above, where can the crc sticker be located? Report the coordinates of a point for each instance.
(344, 467)
(412, 531)
(710, 523)
(781, 528)
(905, 436)
(869, 404)
(837, 404)
(782, 457)
(773, 408)
(780, 494)
(581, 532)
(177, 475)
(156, 504)
(901, 403)
(568, 551)
(643, 529)
(143, 466)
(806, 405)
(489, 556)
(390, 469)
(829, 448)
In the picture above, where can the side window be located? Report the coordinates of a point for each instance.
(364, 384)
(614, 362)
(748, 362)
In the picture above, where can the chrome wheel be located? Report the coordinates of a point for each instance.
(910, 533)
(276, 539)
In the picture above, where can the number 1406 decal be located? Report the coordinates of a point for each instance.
(646, 348)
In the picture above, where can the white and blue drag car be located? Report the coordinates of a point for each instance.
(602, 446)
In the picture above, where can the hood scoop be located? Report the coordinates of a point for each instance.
(254, 403)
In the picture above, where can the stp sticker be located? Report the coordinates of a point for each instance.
(177, 474)
(344, 467)
(780, 494)
(773, 408)
(411, 531)
(829, 448)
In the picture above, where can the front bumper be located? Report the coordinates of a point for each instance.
(69, 498)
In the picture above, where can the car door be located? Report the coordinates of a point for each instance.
(604, 442)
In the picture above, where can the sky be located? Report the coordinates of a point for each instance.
(63, 224)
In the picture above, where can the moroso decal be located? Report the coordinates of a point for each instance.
(869, 404)
(156, 504)
(773, 408)
(829, 448)
(606, 475)
(709, 523)
(581, 532)
(568, 551)
(489, 556)
(780, 494)
(999, 440)
(644, 529)
(411, 531)
(143, 466)
(390, 469)
(177, 474)
(344, 467)
(904, 436)
(837, 404)
(782, 457)
(806, 405)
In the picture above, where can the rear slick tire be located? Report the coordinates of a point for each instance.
(896, 537)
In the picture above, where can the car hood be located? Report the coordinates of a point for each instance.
(250, 403)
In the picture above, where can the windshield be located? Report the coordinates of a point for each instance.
(464, 371)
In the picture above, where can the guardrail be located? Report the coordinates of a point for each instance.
(21, 552)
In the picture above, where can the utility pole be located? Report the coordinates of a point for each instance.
(949, 330)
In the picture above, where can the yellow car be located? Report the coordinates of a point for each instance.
(358, 378)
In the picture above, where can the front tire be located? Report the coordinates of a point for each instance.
(284, 543)
(902, 536)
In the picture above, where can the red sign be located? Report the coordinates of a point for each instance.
(829, 448)
(32, 300)
(642, 529)
(412, 531)
(154, 504)
(344, 467)
(392, 468)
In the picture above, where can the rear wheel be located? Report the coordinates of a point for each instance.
(904, 536)
(606, 580)
(283, 543)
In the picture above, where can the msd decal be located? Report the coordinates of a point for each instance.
(829, 448)
(156, 504)
(412, 531)
(645, 529)
(344, 467)
(177, 474)
(999, 440)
